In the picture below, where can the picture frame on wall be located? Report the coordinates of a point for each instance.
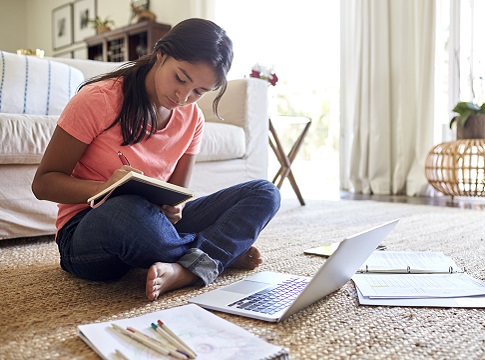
(140, 5)
(62, 26)
(83, 11)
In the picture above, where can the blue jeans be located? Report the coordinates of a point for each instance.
(129, 232)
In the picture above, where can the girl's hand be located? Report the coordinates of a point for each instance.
(119, 174)
(173, 213)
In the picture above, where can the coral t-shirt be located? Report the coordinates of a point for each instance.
(93, 109)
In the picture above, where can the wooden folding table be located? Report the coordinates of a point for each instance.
(286, 160)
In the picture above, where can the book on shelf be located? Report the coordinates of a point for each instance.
(156, 191)
(409, 278)
(205, 335)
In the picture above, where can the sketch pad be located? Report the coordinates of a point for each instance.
(209, 335)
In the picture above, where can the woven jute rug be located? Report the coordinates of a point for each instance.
(41, 306)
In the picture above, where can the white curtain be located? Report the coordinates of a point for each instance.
(387, 87)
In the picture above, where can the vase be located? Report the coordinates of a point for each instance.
(101, 29)
(474, 128)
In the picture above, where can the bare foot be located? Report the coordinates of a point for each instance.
(250, 260)
(163, 277)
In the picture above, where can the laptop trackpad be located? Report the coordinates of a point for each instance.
(246, 287)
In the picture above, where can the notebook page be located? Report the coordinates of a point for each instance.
(409, 261)
(418, 285)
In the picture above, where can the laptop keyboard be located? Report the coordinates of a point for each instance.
(273, 298)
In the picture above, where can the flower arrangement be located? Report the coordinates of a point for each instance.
(264, 73)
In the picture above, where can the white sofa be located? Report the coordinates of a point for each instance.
(33, 92)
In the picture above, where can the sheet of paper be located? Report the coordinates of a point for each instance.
(209, 335)
(412, 261)
(418, 285)
(460, 302)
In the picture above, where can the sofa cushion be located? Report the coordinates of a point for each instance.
(35, 86)
(24, 138)
(89, 68)
(222, 142)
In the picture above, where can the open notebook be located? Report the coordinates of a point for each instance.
(156, 191)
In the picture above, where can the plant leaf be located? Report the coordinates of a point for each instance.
(464, 107)
(452, 121)
(464, 117)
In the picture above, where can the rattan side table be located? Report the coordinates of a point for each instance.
(457, 168)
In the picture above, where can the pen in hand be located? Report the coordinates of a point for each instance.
(123, 159)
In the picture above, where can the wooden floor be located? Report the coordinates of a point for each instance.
(457, 202)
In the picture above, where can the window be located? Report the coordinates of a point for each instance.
(472, 51)
(460, 59)
(301, 41)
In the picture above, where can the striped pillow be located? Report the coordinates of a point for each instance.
(35, 86)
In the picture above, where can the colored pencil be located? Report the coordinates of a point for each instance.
(173, 342)
(165, 344)
(151, 344)
(175, 338)
(121, 355)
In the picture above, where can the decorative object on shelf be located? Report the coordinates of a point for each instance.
(457, 168)
(101, 25)
(62, 26)
(83, 10)
(470, 123)
(31, 52)
(262, 72)
(140, 11)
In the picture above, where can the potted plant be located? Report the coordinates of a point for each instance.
(101, 25)
(470, 123)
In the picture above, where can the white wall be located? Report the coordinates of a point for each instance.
(28, 23)
(13, 23)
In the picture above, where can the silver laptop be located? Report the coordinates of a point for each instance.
(272, 296)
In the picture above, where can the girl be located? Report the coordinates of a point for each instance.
(147, 110)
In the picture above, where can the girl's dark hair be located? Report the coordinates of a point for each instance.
(192, 40)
